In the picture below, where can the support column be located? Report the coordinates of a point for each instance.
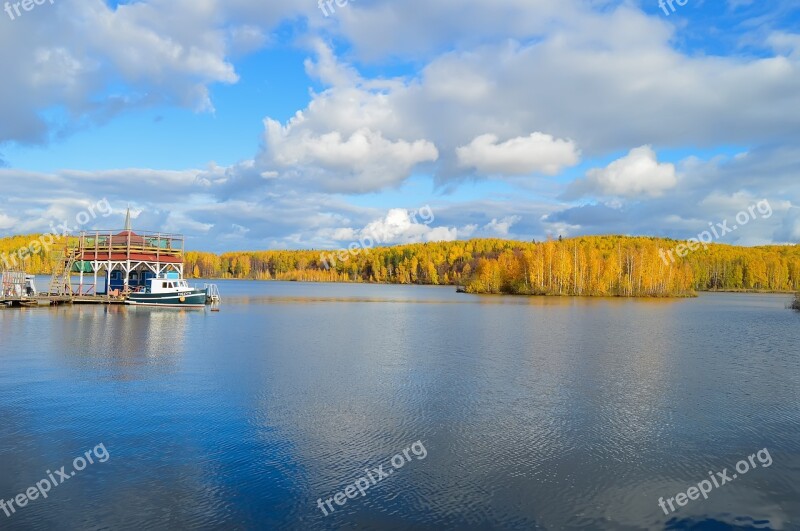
(94, 270)
(126, 280)
(108, 276)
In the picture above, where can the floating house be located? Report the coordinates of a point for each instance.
(124, 259)
(114, 267)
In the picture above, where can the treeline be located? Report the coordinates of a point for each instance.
(18, 252)
(594, 265)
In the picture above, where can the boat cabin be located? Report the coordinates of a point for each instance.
(167, 285)
(17, 285)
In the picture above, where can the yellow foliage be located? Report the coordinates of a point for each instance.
(591, 266)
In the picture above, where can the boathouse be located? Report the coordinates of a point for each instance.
(123, 259)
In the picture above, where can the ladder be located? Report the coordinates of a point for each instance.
(213, 296)
(60, 282)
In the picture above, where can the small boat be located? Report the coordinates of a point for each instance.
(17, 285)
(169, 292)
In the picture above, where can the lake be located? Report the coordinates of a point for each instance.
(505, 412)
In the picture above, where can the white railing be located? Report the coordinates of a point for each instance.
(212, 293)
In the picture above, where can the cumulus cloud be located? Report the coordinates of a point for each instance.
(637, 174)
(625, 60)
(537, 153)
(418, 28)
(709, 191)
(279, 215)
(7, 222)
(398, 226)
(404, 226)
(478, 105)
(363, 162)
(501, 227)
(94, 60)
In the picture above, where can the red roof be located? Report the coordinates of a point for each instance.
(123, 238)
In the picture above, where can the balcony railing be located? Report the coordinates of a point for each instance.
(103, 244)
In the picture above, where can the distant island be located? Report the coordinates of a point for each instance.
(583, 266)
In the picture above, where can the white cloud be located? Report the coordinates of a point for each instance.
(785, 43)
(607, 79)
(479, 105)
(402, 226)
(398, 226)
(276, 214)
(637, 174)
(503, 226)
(7, 222)
(420, 27)
(442, 234)
(363, 162)
(468, 230)
(70, 54)
(537, 153)
(582, 78)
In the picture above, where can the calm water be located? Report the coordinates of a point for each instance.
(533, 413)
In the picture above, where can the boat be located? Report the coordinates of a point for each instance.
(169, 292)
(17, 286)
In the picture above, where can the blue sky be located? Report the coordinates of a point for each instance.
(252, 126)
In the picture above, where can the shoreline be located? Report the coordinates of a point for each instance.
(692, 295)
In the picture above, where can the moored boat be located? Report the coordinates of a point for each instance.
(169, 292)
(17, 286)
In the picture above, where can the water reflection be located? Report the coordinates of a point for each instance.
(123, 340)
(556, 413)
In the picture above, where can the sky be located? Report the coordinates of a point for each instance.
(250, 125)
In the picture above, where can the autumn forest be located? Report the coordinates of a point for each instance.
(584, 266)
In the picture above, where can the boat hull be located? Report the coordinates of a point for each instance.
(190, 299)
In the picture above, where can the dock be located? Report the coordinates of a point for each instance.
(58, 300)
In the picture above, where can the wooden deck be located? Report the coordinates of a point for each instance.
(57, 300)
